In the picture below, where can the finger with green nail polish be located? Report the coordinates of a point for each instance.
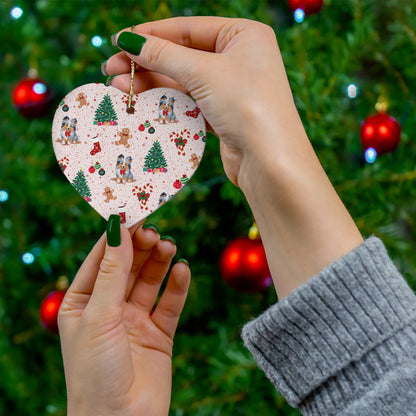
(113, 231)
(131, 42)
(168, 238)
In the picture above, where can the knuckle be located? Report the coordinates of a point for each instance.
(264, 29)
(268, 30)
(108, 269)
(186, 37)
(170, 312)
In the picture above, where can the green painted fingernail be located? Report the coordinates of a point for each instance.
(113, 231)
(150, 227)
(168, 237)
(109, 80)
(104, 69)
(184, 261)
(131, 42)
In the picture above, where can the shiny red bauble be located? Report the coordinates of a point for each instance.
(381, 132)
(49, 309)
(244, 266)
(308, 6)
(32, 98)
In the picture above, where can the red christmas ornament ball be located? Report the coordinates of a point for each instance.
(177, 184)
(381, 132)
(244, 266)
(308, 6)
(49, 309)
(32, 98)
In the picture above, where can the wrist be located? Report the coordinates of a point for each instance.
(303, 223)
(273, 152)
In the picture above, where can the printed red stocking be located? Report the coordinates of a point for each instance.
(96, 148)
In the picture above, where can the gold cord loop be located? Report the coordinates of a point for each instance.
(133, 67)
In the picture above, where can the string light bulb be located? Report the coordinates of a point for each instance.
(352, 91)
(4, 195)
(16, 13)
(97, 41)
(28, 258)
(299, 15)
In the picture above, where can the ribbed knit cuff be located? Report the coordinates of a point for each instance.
(338, 332)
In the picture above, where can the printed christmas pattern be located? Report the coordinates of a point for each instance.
(128, 164)
(81, 185)
(105, 114)
(155, 160)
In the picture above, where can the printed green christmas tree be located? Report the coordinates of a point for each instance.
(155, 159)
(81, 185)
(105, 113)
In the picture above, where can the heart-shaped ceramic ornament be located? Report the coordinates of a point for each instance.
(128, 163)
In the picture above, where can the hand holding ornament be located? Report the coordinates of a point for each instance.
(116, 346)
(234, 70)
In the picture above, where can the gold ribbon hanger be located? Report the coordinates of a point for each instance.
(133, 67)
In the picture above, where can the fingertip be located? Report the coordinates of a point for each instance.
(124, 232)
(181, 273)
(114, 36)
(146, 237)
(172, 301)
(169, 238)
(113, 231)
(186, 262)
(167, 247)
(130, 42)
(151, 227)
(117, 235)
(119, 252)
(135, 227)
(121, 82)
(104, 68)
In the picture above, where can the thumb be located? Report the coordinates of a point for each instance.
(180, 63)
(115, 267)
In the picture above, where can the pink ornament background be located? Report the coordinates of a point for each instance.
(115, 163)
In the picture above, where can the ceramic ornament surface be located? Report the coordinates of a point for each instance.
(128, 164)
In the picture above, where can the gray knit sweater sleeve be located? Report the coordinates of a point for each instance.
(345, 342)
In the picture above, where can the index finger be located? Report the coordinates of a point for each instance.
(197, 32)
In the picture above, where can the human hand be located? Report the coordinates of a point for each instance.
(231, 67)
(117, 352)
(234, 70)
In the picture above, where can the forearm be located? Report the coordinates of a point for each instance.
(303, 223)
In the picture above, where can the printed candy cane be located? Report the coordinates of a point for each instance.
(125, 100)
(143, 194)
(63, 163)
(180, 140)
